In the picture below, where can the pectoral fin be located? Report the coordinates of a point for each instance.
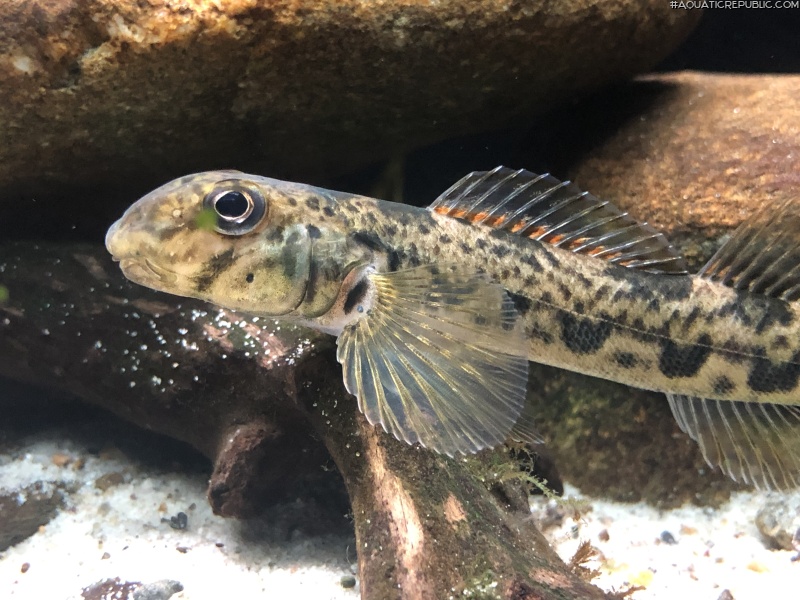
(752, 442)
(438, 359)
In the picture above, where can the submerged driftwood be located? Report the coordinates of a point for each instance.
(265, 402)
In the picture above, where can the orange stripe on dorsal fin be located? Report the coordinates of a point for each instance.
(545, 209)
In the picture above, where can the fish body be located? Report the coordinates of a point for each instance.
(438, 310)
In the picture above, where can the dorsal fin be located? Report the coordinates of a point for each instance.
(557, 212)
(763, 255)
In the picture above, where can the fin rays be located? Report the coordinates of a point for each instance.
(559, 213)
(752, 442)
(763, 255)
(437, 360)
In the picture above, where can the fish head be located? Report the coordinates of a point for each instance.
(225, 237)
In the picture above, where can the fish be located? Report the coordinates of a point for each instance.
(437, 311)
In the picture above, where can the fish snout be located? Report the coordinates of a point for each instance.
(114, 242)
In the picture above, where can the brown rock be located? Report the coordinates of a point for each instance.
(61, 460)
(697, 153)
(96, 93)
(109, 480)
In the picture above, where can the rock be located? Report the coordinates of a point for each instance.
(696, 153)
(97, 94)
(158, 590)
(110, 588)
(116, 589)
(779, 522)
(23, 511)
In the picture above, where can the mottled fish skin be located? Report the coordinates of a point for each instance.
(311, 257)
(679, 334)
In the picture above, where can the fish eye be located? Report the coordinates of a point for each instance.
(233, 206)
(239, 208)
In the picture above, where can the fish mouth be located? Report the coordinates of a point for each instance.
(141, 270)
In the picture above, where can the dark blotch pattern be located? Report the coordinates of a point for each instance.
(313, 232)
(355, 296)
(552, 260)
(531, 261)
(394, 260)
(737, 310)
(691, 317)
(212, 269)
(275, 234)
(501, 250)
(683, 360)
(312, 203)
(777, 312)
(289, 257)
(328, 211)
(723, 385)
(626, 360)
(735, 353)
(780, 341)
(249, 278)
(521, 303)
(767, 377)
(582, 335)
(370, 240)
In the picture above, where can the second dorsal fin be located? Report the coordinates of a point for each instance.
(763, 254)
(557, 212)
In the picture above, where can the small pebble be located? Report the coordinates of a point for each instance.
(757, 567)
(603, 535)
(159, 590)
(179, 521)
(668, 538)
(105, 556)
(726, 595)
(24, 568)
(61, 460)
(109, 480)
(182, 549)
(347, 581)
